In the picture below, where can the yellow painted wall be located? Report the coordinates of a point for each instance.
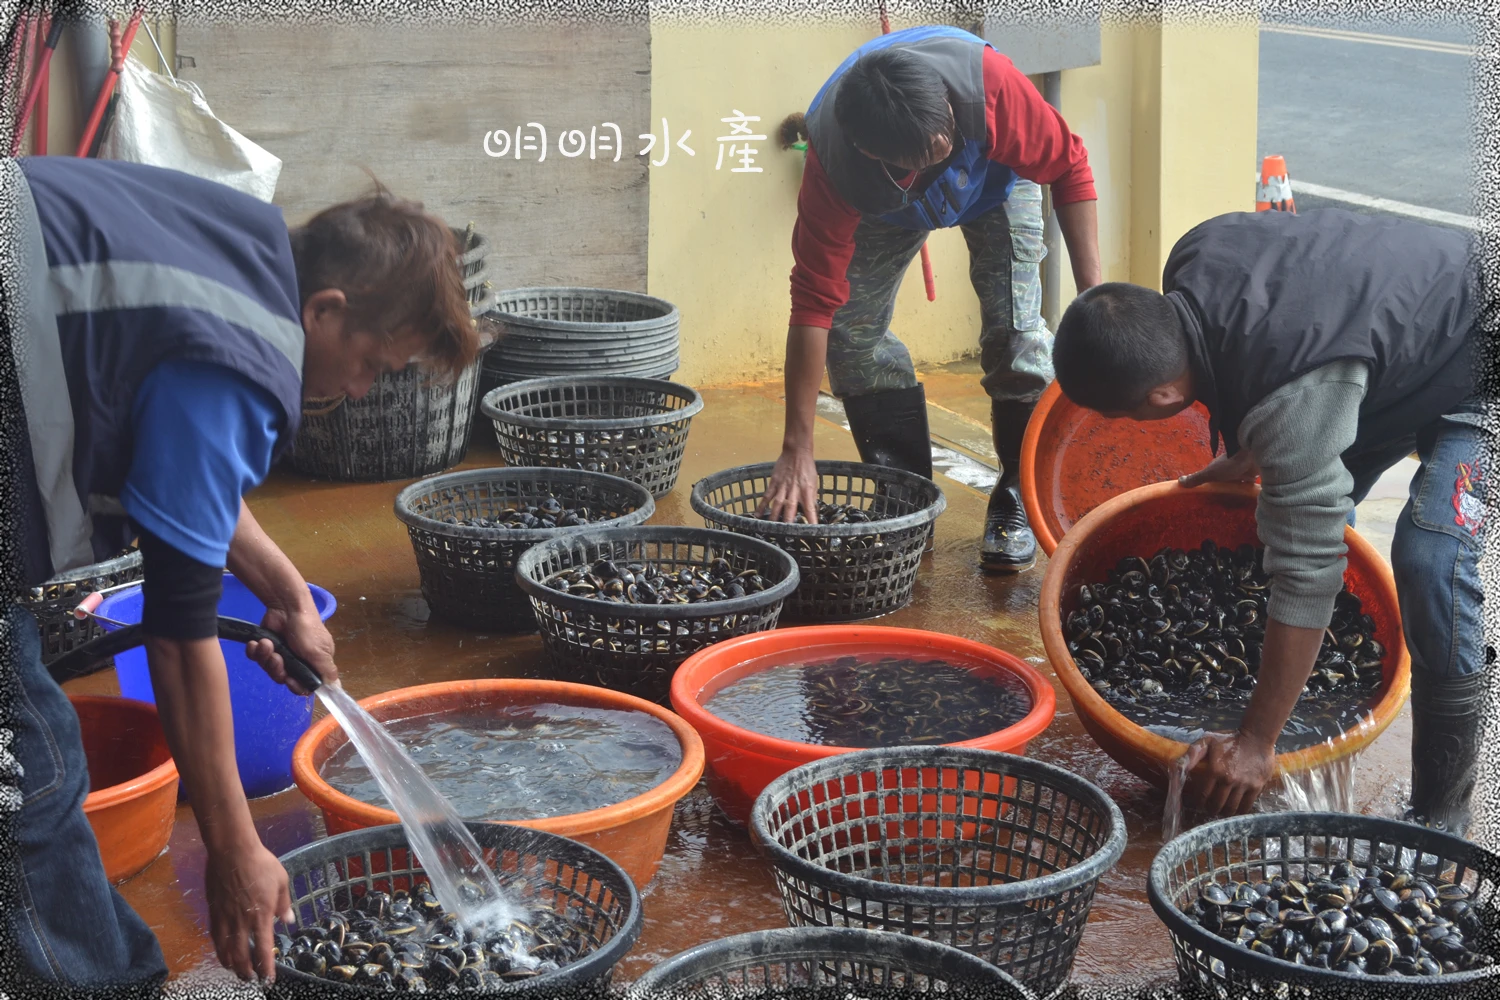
(720, 243)
(1169, 118)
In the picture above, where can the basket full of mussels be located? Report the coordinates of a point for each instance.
(635, 428)
(367, 918)
(860, 560)
(469, 528)
(1153, 613)
(1298, 904)
(623, 607)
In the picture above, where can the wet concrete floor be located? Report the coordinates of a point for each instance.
(712, 883)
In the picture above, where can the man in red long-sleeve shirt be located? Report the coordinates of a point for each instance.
(918, 130)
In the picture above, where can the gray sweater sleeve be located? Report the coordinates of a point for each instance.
(1297, 435)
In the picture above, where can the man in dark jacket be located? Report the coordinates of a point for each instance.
(1326, 347)
(918, 130)
(167, 330)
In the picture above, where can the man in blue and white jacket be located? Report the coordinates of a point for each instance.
(166, 331)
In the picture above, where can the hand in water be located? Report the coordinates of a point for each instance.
(1240, 468)
(1226, 774)
(794, 484)
(306, 635)
(247, 892)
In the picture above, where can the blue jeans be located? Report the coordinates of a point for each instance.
(70, 926)
(1436, 549)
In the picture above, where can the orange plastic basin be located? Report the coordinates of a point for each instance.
(741, 763)
(1141, 522)
(134, 801)
(633, 833)
(1073, 459)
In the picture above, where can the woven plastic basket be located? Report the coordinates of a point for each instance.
(410, 424)
(994, 854)
(849, 571)
(538, 869)
(1304, 847)
(581, 331)
(836, 962)
(635, 648)
(635, 428)
(469, 573)
(53, 602)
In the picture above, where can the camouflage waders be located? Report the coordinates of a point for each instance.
(871, 370)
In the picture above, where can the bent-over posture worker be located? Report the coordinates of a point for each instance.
(918, 130)
(1326, 346)
(168, 331)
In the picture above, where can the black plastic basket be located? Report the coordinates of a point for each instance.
(469, 573)
(411, 423)
(53, 602)
(635, 648)
(849, 571)
(635, 428)
(581, 331)
(542, 869)
(994, 854)
(823, 961)
(1304, 846)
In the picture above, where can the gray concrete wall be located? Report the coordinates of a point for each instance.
(413, 104)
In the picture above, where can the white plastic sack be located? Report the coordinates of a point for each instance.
(166, 123)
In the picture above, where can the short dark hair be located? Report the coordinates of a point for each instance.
(893, 105)
(397, 266)
(1116, 343)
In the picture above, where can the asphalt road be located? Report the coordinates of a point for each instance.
(1376, 110)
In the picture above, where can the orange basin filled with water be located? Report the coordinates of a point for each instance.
(741, 762)
(133, 801)
(633, 833)
(1149, 518)
(1073, 459)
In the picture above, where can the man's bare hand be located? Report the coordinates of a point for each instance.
(1239, 468)
(793, 485)
(1226, 774)
(306, 635)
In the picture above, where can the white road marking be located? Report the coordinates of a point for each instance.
(1422, 212)
(1396, 41)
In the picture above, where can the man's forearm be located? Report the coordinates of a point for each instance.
(1286, 661)
(192, 694)
(259, 564)
(806, 354)
(1079, 222)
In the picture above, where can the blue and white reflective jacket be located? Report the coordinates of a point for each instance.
(125, 266)
(969, 186)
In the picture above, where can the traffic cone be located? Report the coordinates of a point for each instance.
(1274, 192)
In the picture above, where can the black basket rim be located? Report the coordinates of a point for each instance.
(742, 523)
(645, 508)
(1423, 840)
(500, 836)
(488, 404)
(817, 772)
(812, 943)
(127, 560)
(772, 595)
(669, 313)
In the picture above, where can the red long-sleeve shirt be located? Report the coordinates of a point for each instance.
(1024, 133)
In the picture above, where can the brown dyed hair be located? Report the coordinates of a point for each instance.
(397, 267)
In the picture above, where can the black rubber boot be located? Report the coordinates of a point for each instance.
(1009, 545)
(890, 429)
(1446, 717)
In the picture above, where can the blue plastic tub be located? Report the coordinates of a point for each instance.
(268, 719)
